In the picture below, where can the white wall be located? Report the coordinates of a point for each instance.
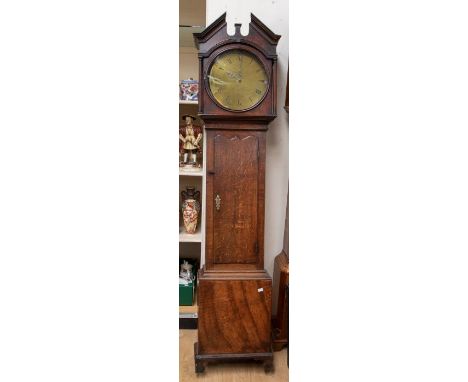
(188, 63)
(275, 15)
(192, 12)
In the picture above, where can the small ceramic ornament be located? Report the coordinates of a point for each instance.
(189, 90)
(190, 137)
(190, 209)
(186, 271)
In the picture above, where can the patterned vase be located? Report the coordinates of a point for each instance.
(190, 208)
(189, 90)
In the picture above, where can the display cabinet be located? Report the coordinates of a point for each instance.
(192, 14)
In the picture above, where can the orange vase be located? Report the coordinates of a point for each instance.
(190, 209)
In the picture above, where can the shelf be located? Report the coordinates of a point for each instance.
(183, 172)
(192, 18)
(190, 238)
(184, 102)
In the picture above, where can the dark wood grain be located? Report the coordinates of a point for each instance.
(286, 101)
(201, 359)
(234, 315)
(261, 42)
(280, 321)
(236, 185)
(280, 284)
(234, 291)
(235, 172)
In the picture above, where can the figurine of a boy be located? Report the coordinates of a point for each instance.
(190, 143)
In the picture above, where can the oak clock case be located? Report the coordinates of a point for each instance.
(237, 100)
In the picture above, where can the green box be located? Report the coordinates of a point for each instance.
(186, 293)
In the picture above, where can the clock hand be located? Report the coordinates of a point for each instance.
(216, 80)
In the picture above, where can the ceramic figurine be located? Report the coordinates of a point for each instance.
(190, 137)
(186, 271)
(189, 90)
(190, 209)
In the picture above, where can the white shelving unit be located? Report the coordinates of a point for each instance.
(190, 238)
(183, 172)
(185, 102)
(192, 16)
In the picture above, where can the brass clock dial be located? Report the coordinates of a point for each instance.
(237, 80)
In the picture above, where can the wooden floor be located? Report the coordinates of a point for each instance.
(229, 372)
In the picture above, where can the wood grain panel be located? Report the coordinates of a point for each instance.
(235, 172)
(235, 182)
(234, 291)
(280, 321)
(234, 316)
(261, 42)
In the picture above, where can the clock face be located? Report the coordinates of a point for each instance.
(237, 80)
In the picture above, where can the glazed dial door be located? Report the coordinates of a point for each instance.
(235, 189)
(237, 80)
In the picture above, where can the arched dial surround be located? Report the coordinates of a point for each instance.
(237, 80)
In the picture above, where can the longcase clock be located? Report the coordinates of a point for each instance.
(237, 100)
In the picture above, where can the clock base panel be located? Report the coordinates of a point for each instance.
(201, 360)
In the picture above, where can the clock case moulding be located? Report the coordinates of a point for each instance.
(261, 42)
(236, 134)
(234, 289)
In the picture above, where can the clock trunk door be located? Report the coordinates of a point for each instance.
(235, 198)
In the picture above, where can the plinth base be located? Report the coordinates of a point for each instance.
(202, 359)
